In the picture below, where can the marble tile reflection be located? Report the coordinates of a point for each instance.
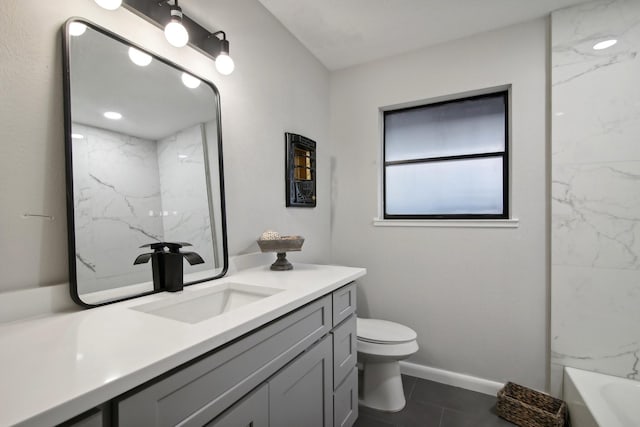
(184, 198)
(129, 192)
(112, 178)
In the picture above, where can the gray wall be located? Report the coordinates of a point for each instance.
(278, 86)
(596, 190)
(476, 296)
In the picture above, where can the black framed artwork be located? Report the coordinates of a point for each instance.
(300, 170)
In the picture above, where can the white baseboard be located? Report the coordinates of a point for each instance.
(455, 379)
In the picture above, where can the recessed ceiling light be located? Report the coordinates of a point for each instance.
(77, 136)
(138, 57)
(113, 115)
(189, 81)
(605, 44)
(77, 28)
(183, 156)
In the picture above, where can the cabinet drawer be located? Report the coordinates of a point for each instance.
(252, 410)
(344, 349)
(344, 302)
(91, 418)
(345, 401)
(201, 391)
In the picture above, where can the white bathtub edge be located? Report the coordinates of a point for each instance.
(591, 391)
(578, 411)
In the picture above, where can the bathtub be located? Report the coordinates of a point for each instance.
(598, 400)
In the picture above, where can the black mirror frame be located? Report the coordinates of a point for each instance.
(73, 284)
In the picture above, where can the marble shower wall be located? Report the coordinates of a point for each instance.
(117, 206)
(595, 267)
(183, 187)
(131, 191)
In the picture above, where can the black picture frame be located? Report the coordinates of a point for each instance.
(300, 171)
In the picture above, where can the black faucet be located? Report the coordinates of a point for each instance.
(167, 266)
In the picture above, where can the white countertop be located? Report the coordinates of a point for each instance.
(54, 368)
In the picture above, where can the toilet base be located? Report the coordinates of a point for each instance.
(382, 386)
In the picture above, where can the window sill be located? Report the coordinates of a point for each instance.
(450, 223)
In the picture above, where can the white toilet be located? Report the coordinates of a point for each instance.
(381, 345)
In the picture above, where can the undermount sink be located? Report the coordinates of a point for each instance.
(194, 307)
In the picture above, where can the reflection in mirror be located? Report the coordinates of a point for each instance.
(143, 165)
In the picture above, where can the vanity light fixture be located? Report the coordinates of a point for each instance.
(138, 57)
(180, 30)
(604, 44)
(109, 4)
(113, 115)
(189, 81)
(175, 32)
(224, 63)
(77, 136)
(77, 29)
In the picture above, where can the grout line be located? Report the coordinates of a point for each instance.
(441, 417)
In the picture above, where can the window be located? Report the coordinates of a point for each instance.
(447, 160)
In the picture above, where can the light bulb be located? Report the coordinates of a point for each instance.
(605, 44)
(189, 81)
(109, 4)
(224, 64)
(138, 57)
(176, 34)
(77, 28)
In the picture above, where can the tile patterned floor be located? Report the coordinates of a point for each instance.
(438, 405)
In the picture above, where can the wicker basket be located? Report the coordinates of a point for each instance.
(529, 408)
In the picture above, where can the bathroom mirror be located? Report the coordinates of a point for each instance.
(144, 165)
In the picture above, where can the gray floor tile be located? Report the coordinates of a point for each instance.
(408, 383)
(414, 414)
(365, 421)
(451, 418)
(438, 405)
(451, 397)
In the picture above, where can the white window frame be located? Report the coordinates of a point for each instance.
(510, 222)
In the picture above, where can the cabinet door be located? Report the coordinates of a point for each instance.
(301, 394)
(252, 411)
(345, 401)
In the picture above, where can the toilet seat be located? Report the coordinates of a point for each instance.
(378, 331)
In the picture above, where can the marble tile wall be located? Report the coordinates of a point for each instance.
(117, 208)
(183, 187)
(129, 192)
(595, 206)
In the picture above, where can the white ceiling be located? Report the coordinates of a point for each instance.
(342, 33)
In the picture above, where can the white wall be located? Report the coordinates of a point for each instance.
(278, 86)
(477, 297)
(596, 190)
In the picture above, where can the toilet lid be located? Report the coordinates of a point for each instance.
(383, 331)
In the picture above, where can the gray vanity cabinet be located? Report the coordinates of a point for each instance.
(299, 370)
(301, 394)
